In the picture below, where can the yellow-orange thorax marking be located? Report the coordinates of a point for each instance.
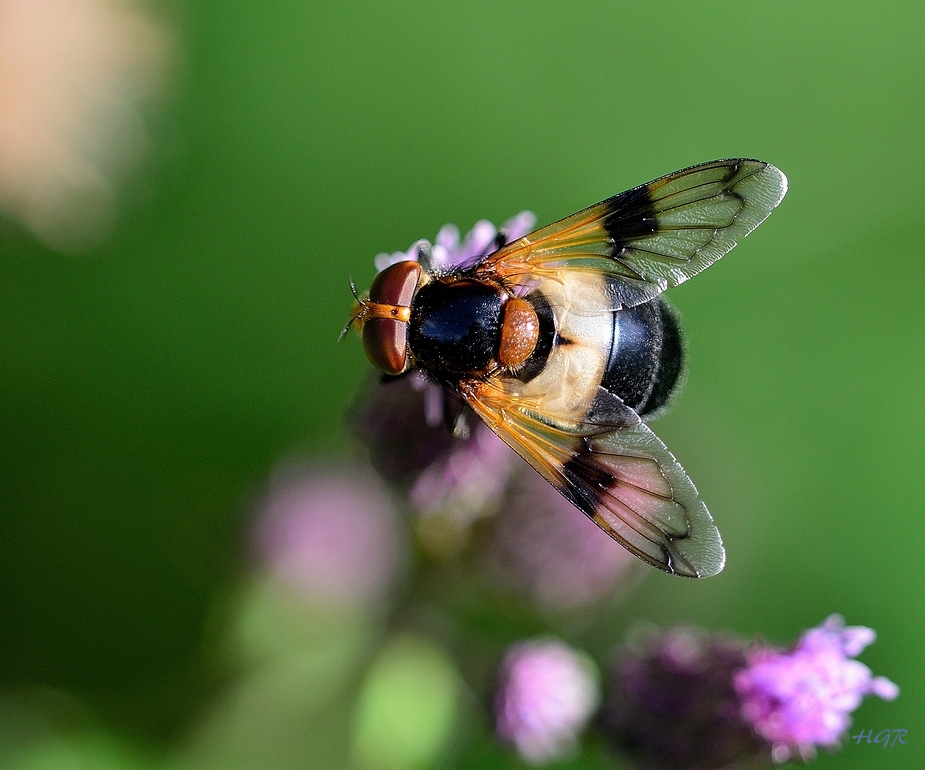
(520, 331)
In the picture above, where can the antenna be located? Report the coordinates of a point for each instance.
(359, 310)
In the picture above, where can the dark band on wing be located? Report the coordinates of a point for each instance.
(600, 495)
(612, 468)
(635, 214)
(652, 237)
(630, 215)
(587, 483)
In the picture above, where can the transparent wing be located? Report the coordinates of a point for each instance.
(617, 472)
(654, 236)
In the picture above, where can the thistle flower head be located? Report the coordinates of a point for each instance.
(331, 535)
(543, 548)
(546, 694)
(670, 702)
(447, 482)
(687, 699)
(801, 698)
(450, 251)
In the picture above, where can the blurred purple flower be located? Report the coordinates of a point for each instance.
(333, 535)
(542, 546)
(546, 694)
(391, 420)
(801, 698)
(446, 481)
(468, 481)
(670, 702)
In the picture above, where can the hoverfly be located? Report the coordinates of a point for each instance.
(561, 342)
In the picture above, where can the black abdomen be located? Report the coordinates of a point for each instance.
(647, 356)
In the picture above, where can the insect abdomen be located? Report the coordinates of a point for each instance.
(646, 358)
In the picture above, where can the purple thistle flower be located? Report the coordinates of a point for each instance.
(670, 702)
(685, 699)
(450, 252)
(400, 422)
(546, 694)
(467, 482)
(801, 698)
(448, 483)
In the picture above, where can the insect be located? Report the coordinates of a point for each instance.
(561, 342)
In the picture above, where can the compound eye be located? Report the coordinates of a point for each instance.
(386, 342)
(385, 339)
(396, 284)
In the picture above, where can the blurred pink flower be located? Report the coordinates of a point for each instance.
(546, 694)
(448, 483)
(332, 535)
(467, 482)
(72, 76)
(544, 547)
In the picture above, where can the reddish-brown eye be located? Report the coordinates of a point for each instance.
(520, 331)
(385, 332)
(396, 284)
(386, 342)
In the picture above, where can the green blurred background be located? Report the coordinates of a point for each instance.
(149, 385)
